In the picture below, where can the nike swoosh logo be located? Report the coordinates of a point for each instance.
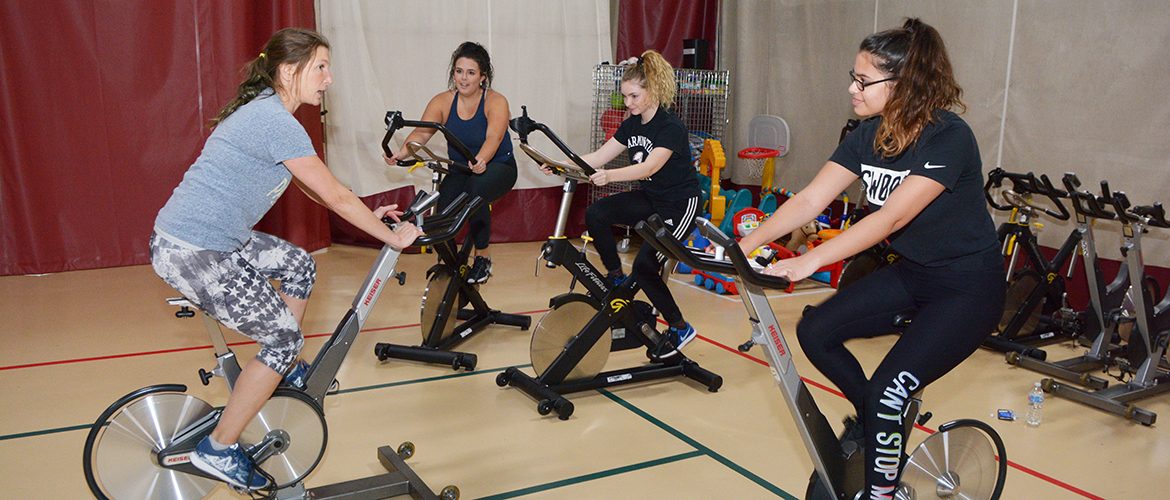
(928, 165)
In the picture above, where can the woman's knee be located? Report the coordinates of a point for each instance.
(814, 332)
(302, 274)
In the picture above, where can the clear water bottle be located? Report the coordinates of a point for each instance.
(1035, 405)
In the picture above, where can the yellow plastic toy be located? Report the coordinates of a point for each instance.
(711, 162)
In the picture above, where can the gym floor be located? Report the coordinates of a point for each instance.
(75, 342)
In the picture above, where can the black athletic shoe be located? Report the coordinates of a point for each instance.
(481, 270)
(853, 437)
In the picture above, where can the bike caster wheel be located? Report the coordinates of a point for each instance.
(449, 492)
(406, 450)
(1048, 385)
(502, 379)
(1012, 358)
(544, 407)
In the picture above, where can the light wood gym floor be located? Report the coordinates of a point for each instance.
(74, 342)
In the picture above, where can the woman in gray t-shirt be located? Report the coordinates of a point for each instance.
(204, 246)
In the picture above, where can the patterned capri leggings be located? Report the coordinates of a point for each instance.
(233, 288)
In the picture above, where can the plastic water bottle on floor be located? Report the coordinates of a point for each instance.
(1035, 405)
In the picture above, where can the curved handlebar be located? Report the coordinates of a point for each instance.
(1084, 202)
(394, 121)
(442, 228)
(422, 201)
(523, 125)
(1026, 184)
(664, 241)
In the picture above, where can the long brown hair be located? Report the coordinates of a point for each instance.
(916, 55)
(290, 45)
(655, 74)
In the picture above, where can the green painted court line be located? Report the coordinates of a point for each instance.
(85, 427)
(46, 431)
(590, 477)
(700, 447)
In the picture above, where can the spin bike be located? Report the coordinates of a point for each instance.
(447, 293)
(571, 343)
(1035, 310)
(1106, 299)
(140, 447)
(964, 459)
(1151, 332)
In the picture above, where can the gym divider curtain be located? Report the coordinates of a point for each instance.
(105, 105)
(663, 25)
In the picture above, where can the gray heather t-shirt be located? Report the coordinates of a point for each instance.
(237, 178)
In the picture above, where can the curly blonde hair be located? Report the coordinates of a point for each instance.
(653, 73)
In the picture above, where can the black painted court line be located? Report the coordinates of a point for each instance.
(592, 476)
(699, 446)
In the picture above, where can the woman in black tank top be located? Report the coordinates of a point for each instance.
(478, 116)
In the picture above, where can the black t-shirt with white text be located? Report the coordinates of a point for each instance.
(956, 224)
(676, 179)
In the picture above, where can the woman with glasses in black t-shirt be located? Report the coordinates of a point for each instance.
(920, 166)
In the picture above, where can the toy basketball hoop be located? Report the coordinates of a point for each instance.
(758, 159)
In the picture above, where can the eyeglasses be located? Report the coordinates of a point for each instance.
(862, 85)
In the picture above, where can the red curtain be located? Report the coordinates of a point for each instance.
(662, 25)
(104, 105)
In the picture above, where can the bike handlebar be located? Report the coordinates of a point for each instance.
(523, 125)
(445, 226)
(737, 263)
(1026, 184)
(1084, 202)
(394, 122)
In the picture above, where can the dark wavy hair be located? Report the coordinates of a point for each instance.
(916, 55)
(290, 45)
(477, 53)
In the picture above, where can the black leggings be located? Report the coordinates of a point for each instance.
(492, 184)
(953, 311)
(628, 208)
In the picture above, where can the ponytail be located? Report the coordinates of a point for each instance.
(917, 56)
(655, 74)
(290, 45)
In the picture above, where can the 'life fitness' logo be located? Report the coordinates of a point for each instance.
(373, 291)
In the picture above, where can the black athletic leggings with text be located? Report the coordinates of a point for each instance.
(492, 184)
(628, 208)
(954, 309)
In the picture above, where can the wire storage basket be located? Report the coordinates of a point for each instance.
(701, 104)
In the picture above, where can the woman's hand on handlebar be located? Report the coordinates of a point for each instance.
(599, 178)
(795, 268)
(477, 166)
(546, 169)
(404, 235)
(390, 211)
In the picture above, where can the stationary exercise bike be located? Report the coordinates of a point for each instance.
(1035, 308)
(571, 343)
(447, 293)
(964, 459)
(1106, 298)
(140, 447)
(1151, 333)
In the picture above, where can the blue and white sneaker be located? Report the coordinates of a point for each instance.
(296, 376)
(231, 465)
(673, 340)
